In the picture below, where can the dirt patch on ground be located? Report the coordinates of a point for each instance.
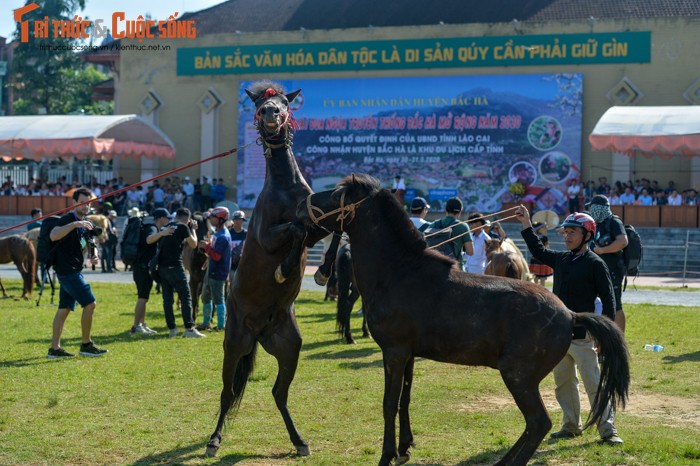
(664, 409)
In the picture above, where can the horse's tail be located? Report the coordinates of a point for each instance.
(240, 378)
(343, 270)
(614, 382)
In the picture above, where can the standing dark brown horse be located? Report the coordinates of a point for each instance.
(20, 250)
(420, 304)
(347, 294)
(261, 302)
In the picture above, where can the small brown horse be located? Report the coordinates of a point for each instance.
(195, 262)
(260, 305)
(506, 260)
(21, 251)
(420, 304)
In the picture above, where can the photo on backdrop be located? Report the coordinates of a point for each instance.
(486, 139)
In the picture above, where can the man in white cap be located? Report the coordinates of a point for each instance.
(188, 189)
(419, 209)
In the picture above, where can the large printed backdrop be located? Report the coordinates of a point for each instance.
(477, 137)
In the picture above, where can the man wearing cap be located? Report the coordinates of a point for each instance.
(610, 239)
(188, 190)
(462, 241)
(218, 249)
(142, 277)
(171, 270)
(419, 209)
(579, 277)
(238, 234)
(476, 263)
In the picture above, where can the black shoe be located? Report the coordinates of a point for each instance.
(59, 353)
(90, 349)
(562, 434)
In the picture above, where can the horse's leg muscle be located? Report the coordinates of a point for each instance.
(285, 345)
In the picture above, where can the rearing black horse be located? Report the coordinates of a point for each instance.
(420, 304)
(261, 302)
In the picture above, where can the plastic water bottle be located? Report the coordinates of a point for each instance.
(654, 348)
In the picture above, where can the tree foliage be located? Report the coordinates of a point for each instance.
(47, 74)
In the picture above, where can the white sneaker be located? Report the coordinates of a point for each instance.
(139, 330)
(174, 332)
(193, 333)
(149, 330)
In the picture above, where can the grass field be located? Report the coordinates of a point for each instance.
(155, 400)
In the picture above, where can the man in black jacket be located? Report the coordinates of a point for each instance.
(580, 276)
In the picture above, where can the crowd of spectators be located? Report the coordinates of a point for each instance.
(639, 192)
(172, 193)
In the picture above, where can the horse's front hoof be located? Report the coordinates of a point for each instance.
(303, 450)
(279, 278)
(320, 279)
(211, 451)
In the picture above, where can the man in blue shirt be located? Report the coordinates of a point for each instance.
(218, 248)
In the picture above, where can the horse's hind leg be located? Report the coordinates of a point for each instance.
(4, 293)
(239, 355)
(285, 346)
(524, 388)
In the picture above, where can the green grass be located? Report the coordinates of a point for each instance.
(155, 400)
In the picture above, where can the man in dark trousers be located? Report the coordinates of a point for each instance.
(238, 234)
(579, 277)
(171, 239)
(610, 239)
(142, 277)
(72, 235)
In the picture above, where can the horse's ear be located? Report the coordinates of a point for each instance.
(252, 96)
(353, 179)
(292, 95)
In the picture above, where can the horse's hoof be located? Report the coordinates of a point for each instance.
(402, 459)
(303, 450)
(279, 278)
(320, 279)
(212, 450)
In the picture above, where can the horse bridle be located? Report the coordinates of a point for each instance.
(265, 139)
(344, 211)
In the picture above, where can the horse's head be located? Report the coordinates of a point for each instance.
(493, 245)
(273, 116)
(334, 209)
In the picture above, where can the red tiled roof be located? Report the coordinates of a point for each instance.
(291, 15)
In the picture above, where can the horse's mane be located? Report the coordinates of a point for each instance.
(261, 86)
(401, 227)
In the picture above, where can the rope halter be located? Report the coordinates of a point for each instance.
(344, 211)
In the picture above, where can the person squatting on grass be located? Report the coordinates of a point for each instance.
(171, 270)
(71, 235)
(142, 277)
(580, 276)
(218, 249)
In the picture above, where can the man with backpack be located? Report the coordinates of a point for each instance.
(69, 238)
(137, 232)
(609, 241)
(459, 231)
